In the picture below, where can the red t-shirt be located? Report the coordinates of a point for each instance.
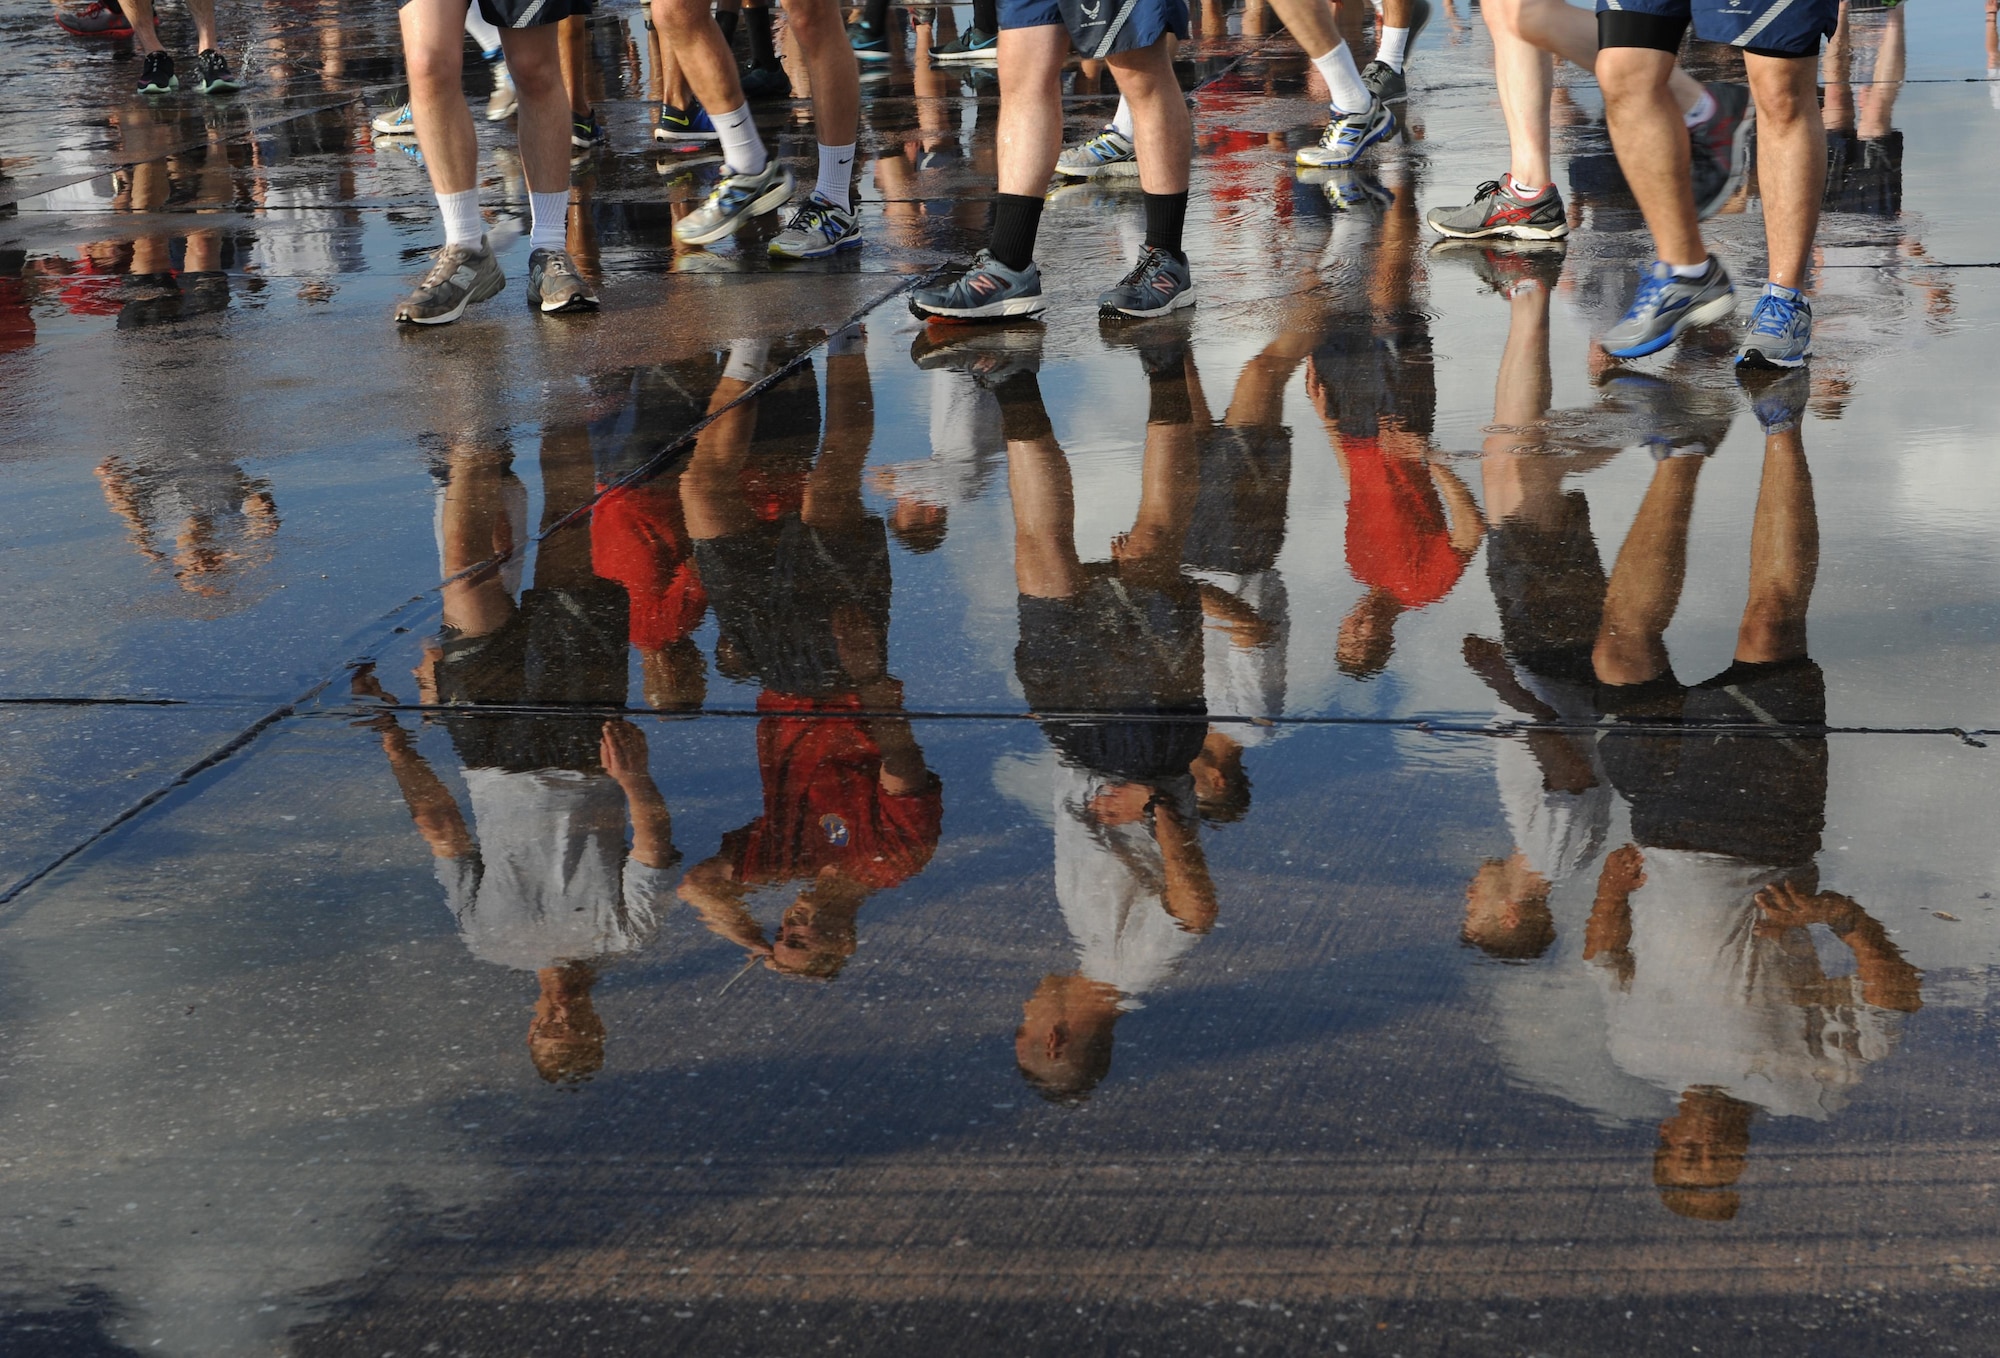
(1398, 539)
(824, 803)
(639, 538)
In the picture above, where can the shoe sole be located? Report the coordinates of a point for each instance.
(1708, 313)
(1013, 309)
(1739, 159)
(870, 56)
(823, 252)
(502, 115)
(1114, 169)
(170, 87)
(1388, 131)
(769, 201)
(685, 138)
(219, 87)
(382, 131)
(1184, 298)
(1508, 232)
(1757, 358)
(583, 301)
(499, 283)
(95, 32)
(986, 58)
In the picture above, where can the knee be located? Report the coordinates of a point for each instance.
(1784, 104)
(433, 69)
(536, 69)
(815, 21)
(679, 17)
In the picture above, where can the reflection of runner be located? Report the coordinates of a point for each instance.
(798, 573)
(543, 880)
(1121, 638)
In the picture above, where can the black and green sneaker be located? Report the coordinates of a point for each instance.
(157, 75)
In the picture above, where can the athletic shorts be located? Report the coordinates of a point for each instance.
(530, 13)
(1239, 512)
(562, 646)
(1377, 369)
(776, 588)
(1099, 28)
(1548, 582)
(1769, 28)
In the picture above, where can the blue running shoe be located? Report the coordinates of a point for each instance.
(1777, 398)
(1158, 284)
(868, 45)
(988, 291)
(734, 201)
(974, 47)
(1109, 152)
(816, 230)
(1668, 304)
(1347, 136)
(685, 125)
(1780, 332)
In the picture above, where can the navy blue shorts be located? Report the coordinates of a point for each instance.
(1771, 28)
(1101, 27)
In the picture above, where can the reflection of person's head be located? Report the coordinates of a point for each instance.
(1063, 1045)
(1703, 1149)
(817, 934)
(919, 525)
(1221, 784)
(566, 1038)
(1507, 910)
(674, 677)
(1368, 635)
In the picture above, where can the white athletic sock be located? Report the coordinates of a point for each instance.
(1703, 110)
(483, 33)
(1523, 192)
(462, 222)
(747, 360)
(1122, 119)
(548, 214)
(1343, 81)
(1689, 270)
(836, 174)
(742, 149)
(1390, 46)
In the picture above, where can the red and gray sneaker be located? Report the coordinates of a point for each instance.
(1719, 148)
(95, 20)
(1496, 210)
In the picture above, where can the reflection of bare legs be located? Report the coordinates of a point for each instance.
(1836, 70)
(712, 487)
(1784, 555)
(1646, 582)
(1879, 104)
(475, 528)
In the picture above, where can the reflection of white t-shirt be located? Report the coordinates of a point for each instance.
(1713, 1004)
(966, 444)
(1555, 830)
(1246, 681)
(1111, 882)
(551, 881)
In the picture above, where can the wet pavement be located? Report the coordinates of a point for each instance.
(1343, 824)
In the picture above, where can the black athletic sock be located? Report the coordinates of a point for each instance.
(763, 51)
(725, 19)
(986, 16)
(1167, 400)
(1016, 218)
(1166, 214)
(1023, 417)
(875, 16)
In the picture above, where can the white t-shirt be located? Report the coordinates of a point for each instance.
(551, 881)
(1246, 681)
(1111, 881)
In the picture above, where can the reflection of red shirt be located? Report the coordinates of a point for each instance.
(1397, 537)
(824, 804)
(639, 538)
(773, 493)
(17, 323)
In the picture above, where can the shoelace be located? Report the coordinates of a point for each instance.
(1651, 288)
(1774, 315)
(447, 264)
(557, 263)
(1489, 189)
(1148, 263)
(812, 216)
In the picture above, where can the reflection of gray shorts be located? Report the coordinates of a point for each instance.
(1099, 28)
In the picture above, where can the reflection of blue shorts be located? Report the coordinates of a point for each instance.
(1773, 28)
(1101, 27)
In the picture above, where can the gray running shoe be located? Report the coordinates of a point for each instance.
(1666, 305)
(1496, 211)
(1385, 82)
(1719, 148)
(816, 230)
(734, 201)
(553, 283)
(988, 291)
(1158, 284)
(1110, 152)
(989, 355)
(1347, 136)
(462, 275)
(1780, 333)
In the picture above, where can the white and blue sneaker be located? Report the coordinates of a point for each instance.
(1110, 152)
(1347, 136)
(1158, 284)
(734, 201)
(1780, 333)
(1667, 305)
(988, 291)
(397, 122)
(816, 230)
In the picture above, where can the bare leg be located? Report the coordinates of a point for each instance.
(831, 67)
(1784, 555)
(1791, 161)
(1652, 145)
(689, 30)
(533, 61)
(1030, 139)
(434, 50)
(1645, 584)
(574, 45)
(1162, 130)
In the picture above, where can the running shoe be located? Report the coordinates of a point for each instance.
(868, 45)
(1351, 190)
(95, 20)
(461, 275)
(1666, 305)
(212, 74)
(1496, 210)
(1385, 82)
(554, 284)
(1777, 397)
(766, 82)
(973, 47)
(690, 124)
(990, 354)
(585, 131)
(1780, 334)
(1109, 152)
(1509, 268)
(1347, 136)
(988, 291)
(816, 230)
(1670, 419)
(1719, 148)
(157, 76)
(734, 201)
(502, 103)
(397, 122)
(1158, 284)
